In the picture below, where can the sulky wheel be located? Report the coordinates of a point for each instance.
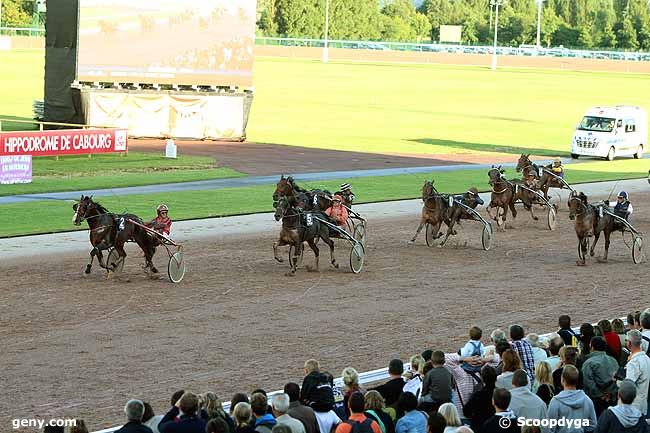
(360, 233)
(486, 237)
(176, 267)
(292, 253)
(637, 250)
(551, 218)
(357, 257)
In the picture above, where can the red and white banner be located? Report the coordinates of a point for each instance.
(63, 142)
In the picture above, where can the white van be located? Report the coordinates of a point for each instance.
(608, 132)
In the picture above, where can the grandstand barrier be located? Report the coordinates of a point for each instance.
(366, 378)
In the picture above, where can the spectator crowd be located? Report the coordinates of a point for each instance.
(594, 380)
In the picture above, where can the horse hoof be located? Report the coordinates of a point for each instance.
(154, 269)
(87, 271)
(592, 253)
(411, 242)
(279, 260)
(536, 218)
(290, 274)
(580, 263)
(336, 265)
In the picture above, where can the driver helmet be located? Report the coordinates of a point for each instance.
(346, 187)
(162, 208)
(622, 195)
(557, 161)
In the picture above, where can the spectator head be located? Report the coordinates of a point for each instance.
(475, 333)
(598, 344)
(189, 404)
(569, 355)
(438, 358)
(328, 376)
(396, 367)
(177, 396)
(417, 363)
(626, 391)
(533, 339)
(79, 426)
(501, 347)
(148, 412)
(242, 414)
(281, 428)
(427, 355)
(449, 411)
(350, 378)
(217, 425)
(436, 423)
(605, 325)
(543, 373)
(311, 365)
(630, 321)
(516, 332)
(356, 402)
(564, 322)
(634, 340)
(644, 318)
(240, 397)
(134, 409)
(374, 401)
(511, 361)
(570, 377)
(501, 399)
(259, 404)
(519, 378)
(212, 405)
(293, 391)
(428, 366)
(407, 402)
(618, 326)
(498, 335)
(555, 345)
(259, 391)
(488, 376)
(280, 403)
(586, 334)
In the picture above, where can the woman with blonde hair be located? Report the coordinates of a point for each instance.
(450, 413)
(211, 408)
(350, 384)
(242, 414)
(511, 363)
(375, 405)
(414, 376)
(543, 385)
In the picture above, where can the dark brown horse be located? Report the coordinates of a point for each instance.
(545, 181)
(111, 230)
(298, 227)
(434, 212)
(472, 199)
(588, 223)
(529, 169)
(505, 193)
(313, 200)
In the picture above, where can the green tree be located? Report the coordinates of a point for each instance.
(298, 19)
(608, 38)
(584, 38)
(16, 13)
(421, 27)
(626, 35)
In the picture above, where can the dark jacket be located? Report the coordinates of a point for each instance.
(545, 392)
(305, 415)
(567, 335)
(598, 372)
(247, 429)
(622, 419)
(134, 427)
(391, 390)
(493, 425)
(316, 392)
(479, 408)
(223, 415)
(185, 424)
(382, 416)
(557, 380)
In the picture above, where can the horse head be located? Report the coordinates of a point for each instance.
(428, 190)
(495, 174)
(577, 204)
(82, 209)
(282, 206)
(472, 198)
(284, 187)
(523, 162)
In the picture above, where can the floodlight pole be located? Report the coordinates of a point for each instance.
(327, 25)
(496, 4)
(539, 23)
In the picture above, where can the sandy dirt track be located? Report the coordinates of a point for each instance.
(75, 346)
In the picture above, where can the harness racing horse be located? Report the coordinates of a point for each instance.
(505, 193)
(110, 230)
(470, 199)
(434, 212)
(547, 180)
(588, 223)
(298, 227)
(313, 200)
(529, 169)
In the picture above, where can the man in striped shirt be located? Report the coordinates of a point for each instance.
(525, 351)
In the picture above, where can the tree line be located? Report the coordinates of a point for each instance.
(623, 24)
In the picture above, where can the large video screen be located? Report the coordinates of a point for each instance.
(187, 42)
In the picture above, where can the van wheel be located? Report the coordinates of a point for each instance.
(575, 156)
(611, 154)
(639, 152)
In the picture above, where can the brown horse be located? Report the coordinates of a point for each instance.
(588, 223)
(299, 227)
(472, 199)
(110, 230)
(547, 179)
(313, 200)
(434, 212)
(529, 169)
(505, 193)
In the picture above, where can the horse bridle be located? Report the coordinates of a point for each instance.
(584, 206)
(504, 180)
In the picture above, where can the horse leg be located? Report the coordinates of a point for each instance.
(277, 244)
(607, 236)
(592, 251)
(417, 232)
(450, 231)
(511, 204)
(326, 238)
(583, 247)
(316, 250)
(92, 259)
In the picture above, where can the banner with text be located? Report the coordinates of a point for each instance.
(15, 169)
(63, 142)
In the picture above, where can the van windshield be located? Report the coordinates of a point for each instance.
(600, 124)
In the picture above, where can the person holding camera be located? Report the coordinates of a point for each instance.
(637, 370)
